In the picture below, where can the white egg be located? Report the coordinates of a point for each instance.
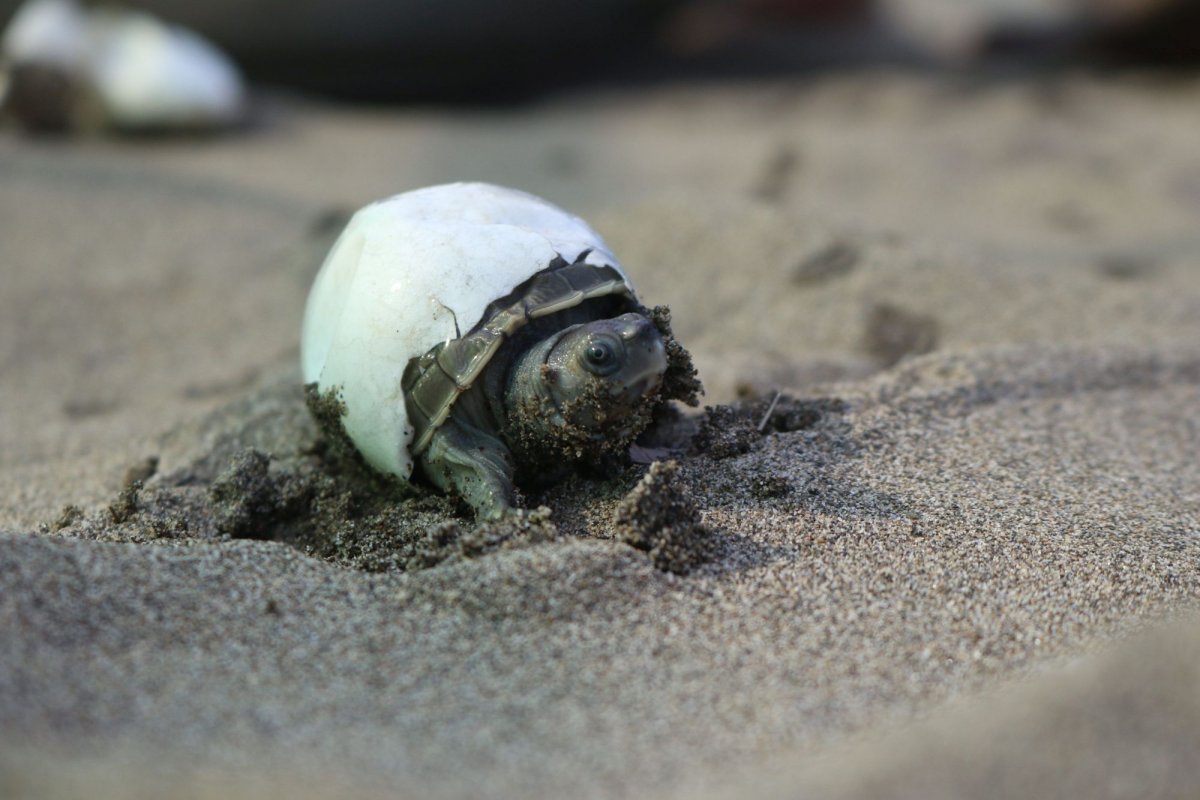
(148, 74)
(138, 71)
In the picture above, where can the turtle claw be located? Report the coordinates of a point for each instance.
(498, 512)
(502, 512)
(477, 467)
(503, 527)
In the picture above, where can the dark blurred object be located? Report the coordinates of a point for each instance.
(892, 333)
(42, 98)
(375, 49)
(709, 24)
(1149, 31)
(503, 50)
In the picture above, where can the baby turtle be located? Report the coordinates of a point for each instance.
(484, 334)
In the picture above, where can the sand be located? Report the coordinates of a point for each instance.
(931, 574)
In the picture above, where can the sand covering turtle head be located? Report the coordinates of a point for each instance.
(584, 391)
(597, 375)
(483, 333)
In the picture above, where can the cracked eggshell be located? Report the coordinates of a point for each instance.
(411, 272)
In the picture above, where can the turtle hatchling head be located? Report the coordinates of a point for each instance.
(596, 386)
(618, 363)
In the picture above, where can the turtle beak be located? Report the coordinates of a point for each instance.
(645, 358)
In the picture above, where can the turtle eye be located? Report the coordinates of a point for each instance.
(600, 354)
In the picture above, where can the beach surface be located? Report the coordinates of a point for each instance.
(958, 556)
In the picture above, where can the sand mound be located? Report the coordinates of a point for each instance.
(956, 520)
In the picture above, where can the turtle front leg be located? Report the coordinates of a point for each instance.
(473, 464)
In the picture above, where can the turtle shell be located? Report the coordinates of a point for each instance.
(420, 291)
(432, 383)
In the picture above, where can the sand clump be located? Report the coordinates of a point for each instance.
(310, 489)
(659, 518)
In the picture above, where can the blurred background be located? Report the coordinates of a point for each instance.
(489, 50)
(818, 188)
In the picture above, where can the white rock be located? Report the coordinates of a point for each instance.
(415, 270)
